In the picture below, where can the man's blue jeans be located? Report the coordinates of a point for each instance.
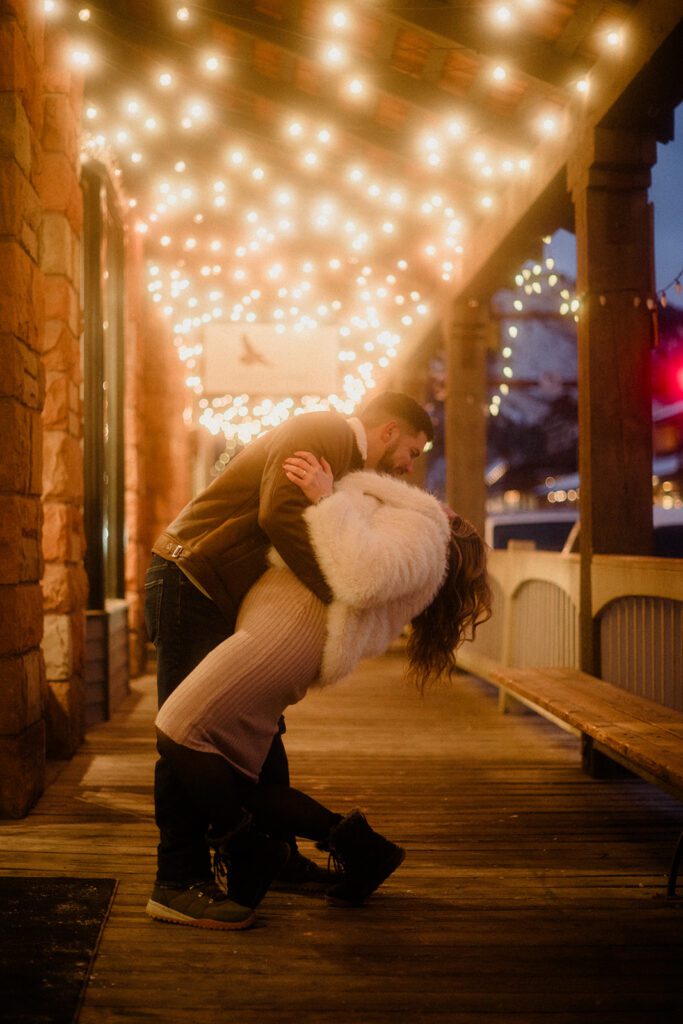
(184, 625)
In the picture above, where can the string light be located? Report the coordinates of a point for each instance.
(502, 16)
(355, 385)
(212, 63)
(529, 281)
(81, 58)
(339, 18)
(358, 228)
(335, 55)
(355, 87)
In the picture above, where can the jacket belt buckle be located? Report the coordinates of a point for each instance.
(177, 551)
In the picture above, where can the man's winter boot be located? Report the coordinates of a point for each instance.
(249, 860)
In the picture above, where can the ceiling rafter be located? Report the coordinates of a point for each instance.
(421, 95)
(396, 155)
(579, 25)
(132, 53)
(546, 68)
(375, 142)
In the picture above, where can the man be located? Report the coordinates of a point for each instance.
(204, 564)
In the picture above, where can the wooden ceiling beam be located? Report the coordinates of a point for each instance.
(578, 26)
(136, 45)
(417, 93)
(397, 155)
(455, 27)
(201, 150)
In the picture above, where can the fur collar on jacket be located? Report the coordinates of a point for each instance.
(382, 545)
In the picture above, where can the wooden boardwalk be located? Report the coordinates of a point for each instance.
(530, 892)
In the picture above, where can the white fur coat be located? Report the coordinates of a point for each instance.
(382, 546)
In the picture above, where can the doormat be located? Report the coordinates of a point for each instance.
(50, 930)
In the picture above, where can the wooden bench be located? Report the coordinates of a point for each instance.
(614, 725)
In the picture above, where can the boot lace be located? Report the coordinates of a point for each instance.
(210, 889)
(336, 860)
(220, 871)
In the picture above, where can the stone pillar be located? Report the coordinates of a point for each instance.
(64, 580)
(609, 177)
(22, 675)
(168, 443)
(136, 442)
(158, 442)
(465, 422)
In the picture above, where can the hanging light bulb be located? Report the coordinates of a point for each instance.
(502, 16)
(339, 18)
(334, 55)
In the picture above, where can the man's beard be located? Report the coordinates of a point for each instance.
(386, 463)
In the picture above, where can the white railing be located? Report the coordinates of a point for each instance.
(637, 603)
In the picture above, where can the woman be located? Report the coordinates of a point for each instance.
(391, 554)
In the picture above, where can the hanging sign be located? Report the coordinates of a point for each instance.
(257, 360)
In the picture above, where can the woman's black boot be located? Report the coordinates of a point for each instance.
(366, 857)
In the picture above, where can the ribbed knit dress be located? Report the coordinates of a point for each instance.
(232, 702)
(382, 546)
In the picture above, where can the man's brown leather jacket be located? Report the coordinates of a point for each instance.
(222, 536)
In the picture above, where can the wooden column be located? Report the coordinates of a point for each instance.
(609, 178)
(465, 425)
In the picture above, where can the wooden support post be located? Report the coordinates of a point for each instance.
(599, 765)
(609, 177)
(465, 425)
(510, 705)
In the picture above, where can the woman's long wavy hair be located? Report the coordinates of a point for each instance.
(462, 603)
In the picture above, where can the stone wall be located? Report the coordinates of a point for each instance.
(169, 444)
(40, 407)
(64, 582)
(42, 630)
(134, 450)
(22, 390)
(158, 444)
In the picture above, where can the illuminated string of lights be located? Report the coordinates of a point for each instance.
(649, 300)
(533, 280)
(366, 346)
(197, 277)
(430, 146)
(674, 283)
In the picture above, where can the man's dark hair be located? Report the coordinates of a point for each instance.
(393, 405)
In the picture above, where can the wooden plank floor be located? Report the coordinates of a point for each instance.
(530, 892)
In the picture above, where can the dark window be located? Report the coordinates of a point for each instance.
(103, 386)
